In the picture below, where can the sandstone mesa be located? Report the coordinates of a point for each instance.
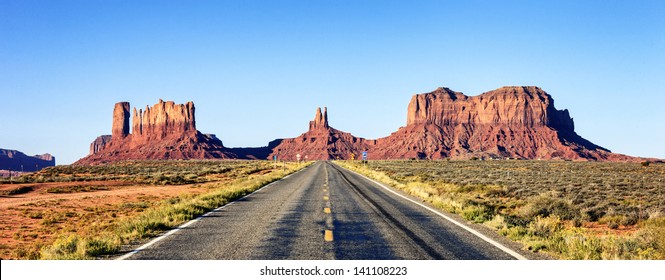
(510, 122)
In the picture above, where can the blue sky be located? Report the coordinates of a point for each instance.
(257, 70)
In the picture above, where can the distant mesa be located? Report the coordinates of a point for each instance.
(518, 122)
(17, 161)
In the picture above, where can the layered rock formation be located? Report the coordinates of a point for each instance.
(510, 122)
(320, 142)
(162, 120)
(100, 143)
(18, 161)
(163, 131)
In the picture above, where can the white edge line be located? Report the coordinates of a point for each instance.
(170, 232)
(474, 232)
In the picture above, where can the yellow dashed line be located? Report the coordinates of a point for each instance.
(328, 236)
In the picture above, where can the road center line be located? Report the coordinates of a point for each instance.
(328, 236)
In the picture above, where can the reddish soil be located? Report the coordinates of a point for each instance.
(35, 217)
(600, 230)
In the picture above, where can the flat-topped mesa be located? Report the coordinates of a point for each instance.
(509, 122)
(120, 128)
(162, 119)
(525, 106)
(18, 161)
(46, 157)
(320, 120)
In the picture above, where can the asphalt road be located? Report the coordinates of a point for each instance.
(322, 212)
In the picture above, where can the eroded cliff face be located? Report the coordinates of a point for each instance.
(519, 106)
(161, 120)
(120, 127)
(510, 122)
(100, 143)
(164, 131)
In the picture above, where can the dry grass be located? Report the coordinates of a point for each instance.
(88, 212)
(572, 210)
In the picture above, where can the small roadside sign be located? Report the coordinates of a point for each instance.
(298, 157)
(364, 155)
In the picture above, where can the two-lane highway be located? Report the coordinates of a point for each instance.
(322, 212)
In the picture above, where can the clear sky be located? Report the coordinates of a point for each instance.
(257, 70)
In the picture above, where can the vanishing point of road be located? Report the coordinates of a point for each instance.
(323, 212)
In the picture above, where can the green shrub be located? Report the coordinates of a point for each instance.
(545, 226)
(64, 247)
(546, 205)
(476, 213)
(629, 220)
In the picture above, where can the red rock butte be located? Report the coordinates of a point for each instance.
(164, 131)
(517, 122)
(320, 142)
(510, 122)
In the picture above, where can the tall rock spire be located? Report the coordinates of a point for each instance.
(325, 117)
(120, 127)
(320, 120)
